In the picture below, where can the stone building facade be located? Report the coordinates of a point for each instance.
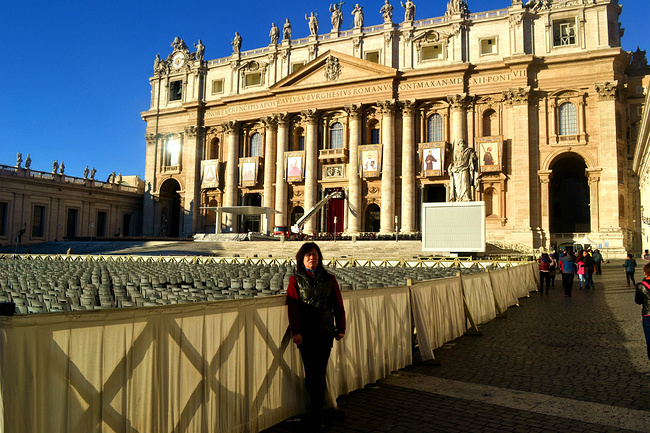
(37, 206)
(539, 90)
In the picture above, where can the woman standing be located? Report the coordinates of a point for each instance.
(316, 318)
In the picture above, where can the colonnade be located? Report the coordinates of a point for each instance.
(275, 192)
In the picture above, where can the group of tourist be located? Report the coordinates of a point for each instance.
(586, 263)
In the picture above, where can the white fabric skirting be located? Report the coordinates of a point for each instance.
(227, 366)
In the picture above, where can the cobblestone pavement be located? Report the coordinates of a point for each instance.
(555, 364)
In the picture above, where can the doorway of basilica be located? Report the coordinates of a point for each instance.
(334, 213)
(373, 218)
(251, 223)
(569, 196)
(170, 209)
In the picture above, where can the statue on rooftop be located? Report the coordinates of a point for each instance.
(55, 166)
(86, 171)
(286, 31)
(274, 34)
(28, 161)
(358, 15)
(19, 159)
(92, 173)
(62, 168)
(313, 24)
(387, 12)
(236, 43)
(337, 17)
(200, 50)
(409, 10)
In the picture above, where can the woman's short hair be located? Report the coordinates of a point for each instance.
(302, 252)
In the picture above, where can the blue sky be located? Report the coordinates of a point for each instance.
(76, 73)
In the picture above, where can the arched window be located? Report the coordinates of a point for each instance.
(336, 136)
(173, 152)
(214, 149)
(373, 130)
(256, 144)
(298, 139)
(490, 123)
(434, 128)
(568, 116)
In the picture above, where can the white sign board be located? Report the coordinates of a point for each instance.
(453, 227)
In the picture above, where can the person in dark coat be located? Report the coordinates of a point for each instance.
(544, 272)
(642, 297)
(589, 264)
(316, 318)
(629, 265)
(568, 264)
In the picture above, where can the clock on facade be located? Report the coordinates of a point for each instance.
(178, 60)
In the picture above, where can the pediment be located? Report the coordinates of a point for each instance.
(333, 68)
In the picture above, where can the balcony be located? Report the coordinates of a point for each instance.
(333, 156)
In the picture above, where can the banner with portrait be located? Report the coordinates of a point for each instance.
(432, 159)
(294, 163)
(490, 153)
(370, 160)
(210, 173)
(248, 168)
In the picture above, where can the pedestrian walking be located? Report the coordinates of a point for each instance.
(316, 318)
(568, 265)
(588, 264)
(544, 272)
(554, 265)
(629, 265)
(642, 297)
(580, 269)
(598, 260)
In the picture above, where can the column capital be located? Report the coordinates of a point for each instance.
(192, 131)
(230, 127)
(461, 101)
(517, 96)
(387, 107)
(354, 110)
(408, 108)
(607, 91)
(310, 116)
(270, 122)
(544, 176)
(282, 118)
(593, 175)
(151, 139)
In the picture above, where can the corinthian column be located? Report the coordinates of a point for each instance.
(280, 183)
(311, 167)
(459, 104)
(408, 167)
(271, 124)
(230, 196)
(354, 181)
(388, 167)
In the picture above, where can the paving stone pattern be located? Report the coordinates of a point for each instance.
(588, 348)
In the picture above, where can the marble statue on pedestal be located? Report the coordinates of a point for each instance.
(387, 12)
(463, 172)
(358, 15)
(409, 10)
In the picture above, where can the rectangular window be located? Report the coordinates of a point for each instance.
(38, 221)
(373, 56)
(217, 86)
(254, 79)
(176, 90)
(488, 46)
(640, 90)
(564, 33)
(4, 211)
(432, 52)
(301, 142)
(101, 224)
(295, 67)
(374, 136)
